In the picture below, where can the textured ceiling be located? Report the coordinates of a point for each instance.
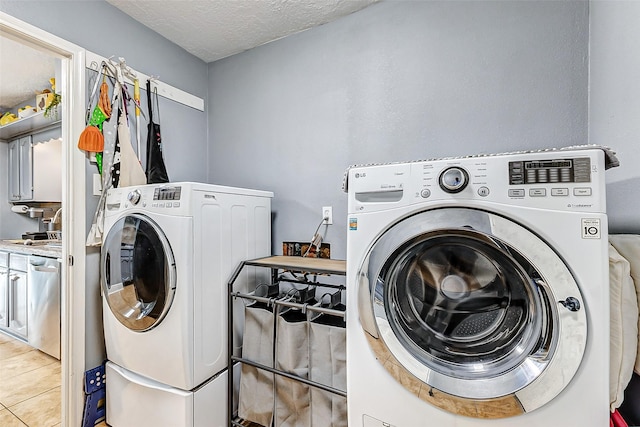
(24, 70)
(208, 29)
(214, 29)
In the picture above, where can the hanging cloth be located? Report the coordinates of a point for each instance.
(109, 129)
(110, 132)
(131, 172)
(156, 171)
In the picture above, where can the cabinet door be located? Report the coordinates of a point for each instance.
(21, 170)
(26, 168)
(4, 298)
(47, 170)
(18, 302)
(14, 170)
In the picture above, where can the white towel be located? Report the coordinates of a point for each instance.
(623, 326)
(628, 245)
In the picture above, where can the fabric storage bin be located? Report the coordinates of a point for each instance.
(293, 398)
(256, 395)
(327, 353)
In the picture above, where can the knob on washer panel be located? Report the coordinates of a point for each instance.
(454, 179)
(134, 197)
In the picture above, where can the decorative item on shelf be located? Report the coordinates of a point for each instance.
(7, 118)
(48, 100)
(43, 99)
(52, 111)
(26, 111)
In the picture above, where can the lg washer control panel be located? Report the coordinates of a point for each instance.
(550, 180)
(550, 171)
(536, 173)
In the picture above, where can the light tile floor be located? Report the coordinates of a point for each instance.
(30, 390)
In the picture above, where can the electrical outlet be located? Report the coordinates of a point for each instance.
(97, 184)
(327, 212)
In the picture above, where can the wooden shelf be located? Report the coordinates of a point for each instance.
(26, 126)
(302, 264)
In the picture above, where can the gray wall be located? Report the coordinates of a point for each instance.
(615, 104)
(99, 27)
(397, 81)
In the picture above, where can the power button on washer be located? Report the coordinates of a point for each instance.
(425, 193)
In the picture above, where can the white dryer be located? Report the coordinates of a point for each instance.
(168, 253)
(477, 292)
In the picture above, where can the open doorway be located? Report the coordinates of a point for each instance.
(30, 233)
(71, 85)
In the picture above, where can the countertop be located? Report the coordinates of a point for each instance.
(40, 248)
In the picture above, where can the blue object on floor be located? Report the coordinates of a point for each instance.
(95, 400)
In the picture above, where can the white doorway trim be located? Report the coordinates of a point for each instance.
(73, 207)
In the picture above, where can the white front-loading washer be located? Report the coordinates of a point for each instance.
(168, 253)
(477, 291)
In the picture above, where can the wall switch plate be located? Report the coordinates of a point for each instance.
(327, 212)
(97, 184)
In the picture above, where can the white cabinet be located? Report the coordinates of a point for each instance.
(4, 290)
(20, 182)
(35, 172)
(18, 297)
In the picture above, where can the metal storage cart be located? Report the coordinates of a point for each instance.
(292, 272)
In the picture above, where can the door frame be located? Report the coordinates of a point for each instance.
(72, 88)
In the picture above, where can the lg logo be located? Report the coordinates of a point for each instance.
(360, 175)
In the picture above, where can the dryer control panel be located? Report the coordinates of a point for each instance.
(167, 193)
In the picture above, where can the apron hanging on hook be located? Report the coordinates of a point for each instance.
(156, 171)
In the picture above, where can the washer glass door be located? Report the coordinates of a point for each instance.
(467, 302)
(461, 303)
(138, 272)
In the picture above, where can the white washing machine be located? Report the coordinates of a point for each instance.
(168, 253)
(477, 292)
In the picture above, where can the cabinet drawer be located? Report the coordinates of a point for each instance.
(4, 259)
(18, 262)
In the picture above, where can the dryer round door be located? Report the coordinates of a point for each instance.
(476, 307)
(138, 272)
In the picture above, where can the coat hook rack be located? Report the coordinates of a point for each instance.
(93, 61)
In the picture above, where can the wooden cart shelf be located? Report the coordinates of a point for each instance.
(301, 264)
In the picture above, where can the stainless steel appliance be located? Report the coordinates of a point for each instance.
(44, 304)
